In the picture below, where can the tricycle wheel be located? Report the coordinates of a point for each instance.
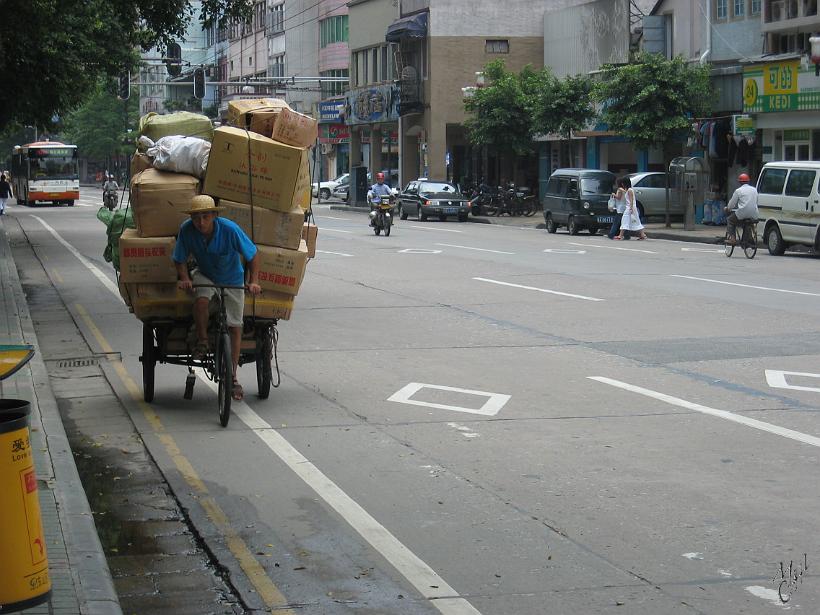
(149, 361)
(224, 370)
(264, 354)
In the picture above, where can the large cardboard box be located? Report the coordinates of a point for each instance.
(295, 128)
(146, 259)
(161, 301)
(301, 197)
(310, 233)
(258, 114)
(281, 269)
(275, 169)
(159, 200)
(270, 228)
(139, 163)
(269, 305)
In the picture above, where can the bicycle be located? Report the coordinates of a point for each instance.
(745, 237)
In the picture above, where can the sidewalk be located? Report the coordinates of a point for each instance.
(80, 579)
(654, 230)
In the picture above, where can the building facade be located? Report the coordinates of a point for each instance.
(334, 67)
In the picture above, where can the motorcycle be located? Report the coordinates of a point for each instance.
(110, 199)
(381, 214)
(484, 200)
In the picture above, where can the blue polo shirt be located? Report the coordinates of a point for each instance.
(218, 260)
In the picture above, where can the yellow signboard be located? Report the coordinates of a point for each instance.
(780, 78)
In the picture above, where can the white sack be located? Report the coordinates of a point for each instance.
(181, 155)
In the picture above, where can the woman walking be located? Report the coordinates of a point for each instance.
(5, 193)
(631, 220)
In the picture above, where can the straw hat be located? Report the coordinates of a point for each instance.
(202, 203)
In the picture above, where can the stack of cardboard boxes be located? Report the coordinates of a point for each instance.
(261, 183)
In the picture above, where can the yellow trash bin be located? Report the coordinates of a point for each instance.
(24, 582)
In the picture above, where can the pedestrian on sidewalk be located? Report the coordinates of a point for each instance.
(619, 196)
(5, 193)
(631, 219)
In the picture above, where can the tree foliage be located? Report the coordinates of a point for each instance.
(652, 99)
(501, 111)
(563, 106)
(99, 127)
(52, 52)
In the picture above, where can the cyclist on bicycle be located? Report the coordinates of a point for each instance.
(742, 206)
(216, 245)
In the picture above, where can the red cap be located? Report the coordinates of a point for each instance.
(743, 177)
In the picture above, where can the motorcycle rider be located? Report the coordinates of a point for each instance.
(377, 191)
(110, 186)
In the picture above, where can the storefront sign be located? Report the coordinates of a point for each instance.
(743, 126)
(334, 133)
(780, 86)
(797, 135)
(372, 105)
(331, 110)
(393, 139)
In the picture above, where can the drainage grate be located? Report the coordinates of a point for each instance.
(77, 363)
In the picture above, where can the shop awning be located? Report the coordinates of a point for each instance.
(414, 26)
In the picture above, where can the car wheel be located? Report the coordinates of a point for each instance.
(572, 226)
(325, 192)
(420, 215)
(774, 242)
(402, 213)
(551, 226)
(593, 230)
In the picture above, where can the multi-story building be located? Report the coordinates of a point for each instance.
(301, 59)
(334, 63)
(246, 62)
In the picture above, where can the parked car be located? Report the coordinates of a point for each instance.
(650, 192)
(424, 198)
(788, 203)
(326, 188)
(577, 199)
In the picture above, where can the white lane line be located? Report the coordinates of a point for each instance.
(540, 290)
(776, 290)
(589, 245)
(701, 250)
(334, 253)
(426, 580)
(721, 414)
(333, 218)
(433, 228)
(450, 245)
(334, 230)
(87, 263)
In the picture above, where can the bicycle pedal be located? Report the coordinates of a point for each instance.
(190, 381)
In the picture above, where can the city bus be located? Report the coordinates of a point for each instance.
(45, 171)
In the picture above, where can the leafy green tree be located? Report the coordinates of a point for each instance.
(562, 106)
(651, 101)
(99, 128)
(52, 52)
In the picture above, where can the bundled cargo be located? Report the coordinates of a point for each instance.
(139, 163)
(179, 154)
(310, 233)
(257, 115)
(146, 259)
(269, 227)
(116, 222)
(269, 305)
(185, 123)
(295, 129)
(240, 160)
(280, 269)
(160, 300)
(160, 199)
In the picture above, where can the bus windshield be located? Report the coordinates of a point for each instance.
(53, 166)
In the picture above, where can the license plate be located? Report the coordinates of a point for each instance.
(451, 210)
(605, 219)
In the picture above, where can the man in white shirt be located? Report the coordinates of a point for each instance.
(742, 206)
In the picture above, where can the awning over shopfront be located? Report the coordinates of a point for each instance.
(414, 26)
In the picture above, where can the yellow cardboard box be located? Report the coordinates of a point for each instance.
(273, 172)
(281, 269)
(139, 163)
(260, 112)
(161, 301)
(301, 198)
(309, 234)
(295, 129)
(146, 259)
(159, 200)
(270, 228)
(269, 305)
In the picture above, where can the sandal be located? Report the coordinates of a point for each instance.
(238, 394)
(618, 237)
(200, 350)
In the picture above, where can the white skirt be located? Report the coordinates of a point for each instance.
(631, 222)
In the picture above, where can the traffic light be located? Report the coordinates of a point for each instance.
(124, 86)
(173, 59)
(199, 83)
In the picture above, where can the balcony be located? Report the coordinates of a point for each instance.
(789, 15)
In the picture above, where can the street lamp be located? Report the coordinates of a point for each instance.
(814, 41)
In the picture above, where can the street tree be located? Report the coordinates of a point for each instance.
(500, 112)
(52, 52)
(562, 106)
(652, 101)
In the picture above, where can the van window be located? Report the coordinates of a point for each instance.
(553, 185)
(597, 184)
(772, 180)
(800, 182)
(572, 189)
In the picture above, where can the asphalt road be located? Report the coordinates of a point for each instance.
(486, 419)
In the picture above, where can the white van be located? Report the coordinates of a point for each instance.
(789, 205)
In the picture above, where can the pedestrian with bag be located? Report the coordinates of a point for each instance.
(5, 193)
(631, 220)
(617, 205)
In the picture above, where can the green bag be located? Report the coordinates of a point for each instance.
(116, 222)
(154, 126)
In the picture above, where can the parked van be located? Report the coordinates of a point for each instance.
(577, 199)
(789, 205)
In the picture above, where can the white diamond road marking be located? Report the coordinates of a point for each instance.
(418, 251)
(777, 380)
(560, 251)
(334, 253)
(450, 245)
(494, 403)
(613, 248)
